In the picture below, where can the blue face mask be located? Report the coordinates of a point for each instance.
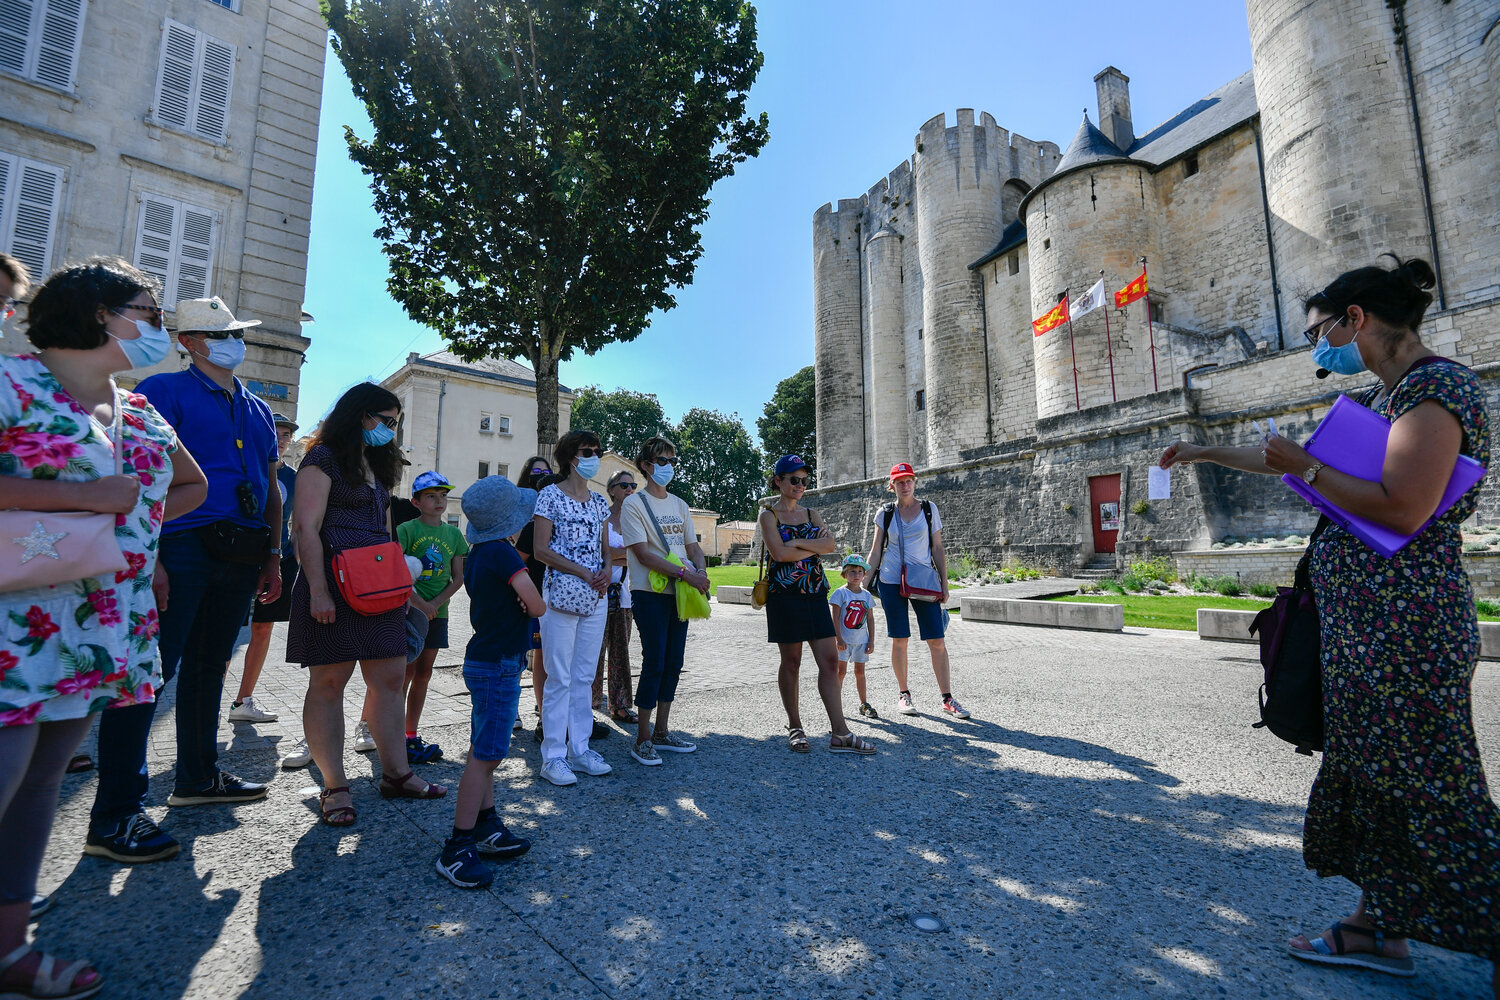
(588, 468)
(663, 473)
(147, 349)
(379, 435)
(1343, 360)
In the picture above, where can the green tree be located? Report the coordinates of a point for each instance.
(790, 424)
(720, 469)
(541, 167)
(622, 419)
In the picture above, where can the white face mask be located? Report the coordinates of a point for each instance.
(226, 353)
(147, 349)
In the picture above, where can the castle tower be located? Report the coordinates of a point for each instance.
(838, 342)
(1344, 175)
(1096, 211)
(958, 186)
(886, 392)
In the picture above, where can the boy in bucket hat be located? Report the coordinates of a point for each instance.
(502, 602)
(852, 606)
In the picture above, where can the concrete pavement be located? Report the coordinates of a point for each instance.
(1106, 825)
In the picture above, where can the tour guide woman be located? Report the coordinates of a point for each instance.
(797, 604)
(1400, 806)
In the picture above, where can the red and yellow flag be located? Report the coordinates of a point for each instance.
(1054, 319)
(1136, 289)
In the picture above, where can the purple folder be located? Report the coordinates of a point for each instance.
(1352, 440)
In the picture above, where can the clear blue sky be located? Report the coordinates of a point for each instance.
(846, 84)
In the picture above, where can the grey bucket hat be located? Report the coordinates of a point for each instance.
(496, 508)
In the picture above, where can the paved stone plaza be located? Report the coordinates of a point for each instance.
(1107, 825)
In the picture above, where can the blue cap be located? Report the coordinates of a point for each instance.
(789, 463)
(855, 559)
(430, 481)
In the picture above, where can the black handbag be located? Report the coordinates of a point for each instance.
(1291, 652)
(237, 543)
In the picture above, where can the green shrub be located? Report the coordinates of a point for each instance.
(963, 565)
(1263, 589)
(1140, 507)
(1475, 546)
(715, 560)
(1160, 568)
(1488, 607)
(1132, 583)
(1021, 571)
(1226, 585)
(1110, 586)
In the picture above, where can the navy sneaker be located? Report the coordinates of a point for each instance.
(493, 838)
(132, 841)
(419, 751)
(226, 788)
(460, 864)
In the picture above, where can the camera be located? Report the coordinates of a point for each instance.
(245, 494)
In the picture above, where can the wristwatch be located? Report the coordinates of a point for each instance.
(1311, 473)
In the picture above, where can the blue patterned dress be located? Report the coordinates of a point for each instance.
(1400, 806)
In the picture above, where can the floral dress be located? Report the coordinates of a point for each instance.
(1400, 806)
(72, 649)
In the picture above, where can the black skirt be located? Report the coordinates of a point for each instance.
(797, 617)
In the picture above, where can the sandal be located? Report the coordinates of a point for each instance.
(850, 744)
(80, 763)
(798, 739)
(338, 815)
(393, 786)
(625, 715)
(51, 982)
(1322, 954)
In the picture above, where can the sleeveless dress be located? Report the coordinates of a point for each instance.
(355, 516)
(1400, 806)
(797, 594)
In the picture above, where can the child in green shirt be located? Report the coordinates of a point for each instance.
(441, 548)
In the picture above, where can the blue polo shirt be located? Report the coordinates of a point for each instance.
(231, 435)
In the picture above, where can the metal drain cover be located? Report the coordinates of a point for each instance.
(927, 923)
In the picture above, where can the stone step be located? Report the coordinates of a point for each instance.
(1092, 573)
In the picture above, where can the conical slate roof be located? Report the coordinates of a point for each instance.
(1089, 145)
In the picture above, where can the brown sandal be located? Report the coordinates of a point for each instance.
(798, 739)
(338, 815)
(393, 786)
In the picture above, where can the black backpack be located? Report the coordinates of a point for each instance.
(1291, 651)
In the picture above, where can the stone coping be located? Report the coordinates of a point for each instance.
(1054, 614)
(1224, 625)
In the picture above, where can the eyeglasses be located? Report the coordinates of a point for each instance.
(388, 421)
(797, 480)
(624, 486)
(1316, 332)
(587, 452)
(153, 311)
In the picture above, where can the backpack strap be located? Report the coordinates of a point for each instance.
(927, 513)
(1302, 577)
(887, 512)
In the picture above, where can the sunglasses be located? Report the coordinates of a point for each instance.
(154, 312)
(220, 334)
(623, 486)
(587, 452)
(388, 421)
(797, 480)
(541, 472)
(666, 461)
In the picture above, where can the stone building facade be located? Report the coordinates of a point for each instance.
(178, 134)
(1362, 127)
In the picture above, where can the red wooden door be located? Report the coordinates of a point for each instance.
(1104, 507)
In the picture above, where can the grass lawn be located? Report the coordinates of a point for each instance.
(732, 576)
(1168, 612)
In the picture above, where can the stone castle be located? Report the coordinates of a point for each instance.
(1362, 127)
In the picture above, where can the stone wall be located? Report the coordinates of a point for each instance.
(1277, 566)
(1007, 300)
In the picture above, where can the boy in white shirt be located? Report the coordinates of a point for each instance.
(852, 606)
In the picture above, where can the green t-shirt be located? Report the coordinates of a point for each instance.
(436, 547)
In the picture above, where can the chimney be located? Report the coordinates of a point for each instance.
(1114, 107)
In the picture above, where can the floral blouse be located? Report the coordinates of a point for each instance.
(72, 649)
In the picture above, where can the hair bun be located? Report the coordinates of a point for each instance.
(1418, 272)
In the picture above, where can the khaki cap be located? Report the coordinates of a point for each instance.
(208, 316)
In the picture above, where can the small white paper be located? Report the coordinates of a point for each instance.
(1159, 483)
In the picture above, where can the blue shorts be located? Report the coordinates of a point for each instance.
(932, 620)
(495, 694)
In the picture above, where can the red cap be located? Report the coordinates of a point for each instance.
(901, 470)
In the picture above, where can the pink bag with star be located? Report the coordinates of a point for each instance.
(47, 548)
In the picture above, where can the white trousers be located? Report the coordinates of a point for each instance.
(570, 648)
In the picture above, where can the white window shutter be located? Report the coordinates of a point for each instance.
(61, 35)
(153, 243)
(15, 33)
(215, 84)
(174, 85)
(195, 254)
(38, 189)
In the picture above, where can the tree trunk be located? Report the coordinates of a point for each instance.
(544, 363)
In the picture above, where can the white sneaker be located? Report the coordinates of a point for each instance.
(517, 726)
(590, 763)
(904, 705)
(246, 711)
(559, 773)
(363, 741)
(299, 757)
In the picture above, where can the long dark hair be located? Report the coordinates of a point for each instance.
(1396, 295)
(343, 433)
(525, 479)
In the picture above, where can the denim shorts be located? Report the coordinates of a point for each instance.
(932, 620)
(495, 694)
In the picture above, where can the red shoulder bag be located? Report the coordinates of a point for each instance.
(374, 579)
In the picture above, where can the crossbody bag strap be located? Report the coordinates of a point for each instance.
(1302, 577)
(657, 525)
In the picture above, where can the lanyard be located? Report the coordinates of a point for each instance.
(226, 399)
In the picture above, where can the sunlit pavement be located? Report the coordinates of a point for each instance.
(1107, 824)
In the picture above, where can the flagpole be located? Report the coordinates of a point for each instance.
(1077, 402)
(1108, 342)
(1150, 331)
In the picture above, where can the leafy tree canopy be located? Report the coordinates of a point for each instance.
(720, 469)
(542, 167)
(622, 419)
(790, 424)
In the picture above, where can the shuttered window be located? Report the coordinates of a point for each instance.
(39, 39)
(175, 242)
(30, 193)
(194, 81)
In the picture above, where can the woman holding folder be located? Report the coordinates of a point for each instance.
(1400, 805)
